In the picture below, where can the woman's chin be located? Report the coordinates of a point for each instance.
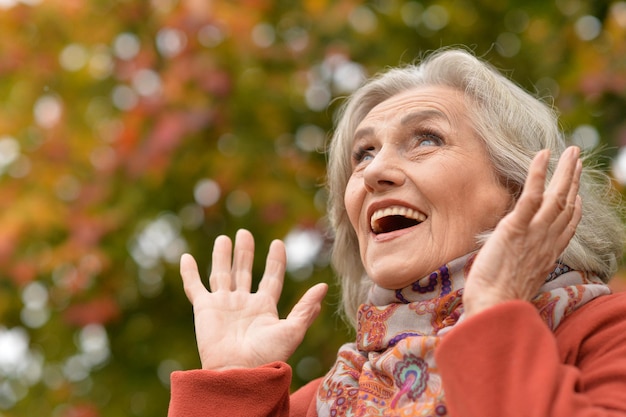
(391, 273)
(394, 280)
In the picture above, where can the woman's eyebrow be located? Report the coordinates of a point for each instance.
(364, 131)
(425, 115)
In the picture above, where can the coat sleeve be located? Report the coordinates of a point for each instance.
(257, 392)
(304, 401)
(507, 362)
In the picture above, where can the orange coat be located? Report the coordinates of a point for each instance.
(502, 362)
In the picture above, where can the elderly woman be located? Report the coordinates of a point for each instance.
(475, 289)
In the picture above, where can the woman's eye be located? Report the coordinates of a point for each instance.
(362, 154)
(428, 139)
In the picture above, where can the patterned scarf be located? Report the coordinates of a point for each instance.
(391, 370)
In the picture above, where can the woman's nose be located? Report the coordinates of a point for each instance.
(384, 170)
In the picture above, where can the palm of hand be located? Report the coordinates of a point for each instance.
(246, 324)
(516, 258)
(236, 328)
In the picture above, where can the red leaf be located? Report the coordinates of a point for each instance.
(82, 410)
(102, 310)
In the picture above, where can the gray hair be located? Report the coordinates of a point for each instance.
(514, 126)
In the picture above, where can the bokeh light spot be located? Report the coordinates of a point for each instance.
(619, 166)
(171, 42)
(363, 19)
(47, 111)
(124, 97)
(618, 11)
(317, 96)
(126, 46)
(302, 246)
(586, 137)
(9, 151)
(165, 368)
(13, 350)
(191, 216)
(309, 368)
(206, 192)
(238, 203)
(348, 76)
(310, 138)
(159, 239)
(68, 188)
(73, 57)
(147, 82)
(100, 64)
(211, 36)
(547, 86)
(436, 17)
(297, 38)
(588, 27)
(508, 44)
(568, 7)
(263, 35)
(411, 13)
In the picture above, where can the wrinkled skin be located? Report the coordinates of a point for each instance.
(513, 263)
(236, 328)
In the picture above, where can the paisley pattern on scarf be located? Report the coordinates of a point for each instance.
(390, 370)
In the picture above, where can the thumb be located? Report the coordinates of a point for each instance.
(307, 308)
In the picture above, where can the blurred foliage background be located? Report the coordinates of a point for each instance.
(132, 131)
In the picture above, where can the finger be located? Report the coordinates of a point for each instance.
(274, 275)
(220, 266)
(568, 232)
(567, 166)
(560, 195)
(531, 198)
(192, 283)
(572, 197)
(576, 217)
(243, 260)
(565, 172)
(573, 192)
(307, 308)
(564, 207)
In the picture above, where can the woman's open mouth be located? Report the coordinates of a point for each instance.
(394, 218)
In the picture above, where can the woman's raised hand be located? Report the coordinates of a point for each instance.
(236, 328)
(522, 250)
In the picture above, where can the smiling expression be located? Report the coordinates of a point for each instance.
(422, 185)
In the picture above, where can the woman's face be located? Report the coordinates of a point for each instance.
(422, 185)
